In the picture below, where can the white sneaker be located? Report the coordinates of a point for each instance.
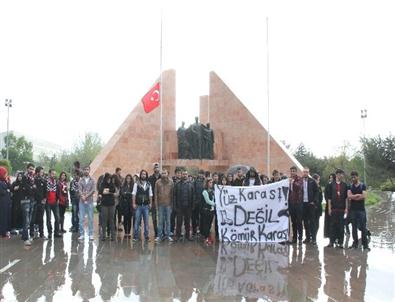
(170, 239)
(81, 238)
(91, 238)
(28, 242)
(157, 239)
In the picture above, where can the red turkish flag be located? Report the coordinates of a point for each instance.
(152, 99)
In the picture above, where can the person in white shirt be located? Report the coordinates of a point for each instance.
(142, 200)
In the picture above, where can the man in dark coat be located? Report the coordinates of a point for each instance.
(183, 202)
(337, 209)
(310, 204)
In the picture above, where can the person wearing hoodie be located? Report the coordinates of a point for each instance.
(5, 204)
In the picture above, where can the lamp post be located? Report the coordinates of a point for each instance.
(8, 104)
(364, 115)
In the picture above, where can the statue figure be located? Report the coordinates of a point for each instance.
(195, 142)
(209, 142)
(196, 139)
(183, 145)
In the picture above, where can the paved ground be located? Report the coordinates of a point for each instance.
(65, 270)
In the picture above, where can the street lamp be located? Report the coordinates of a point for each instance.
(8, 104)
(364, 115)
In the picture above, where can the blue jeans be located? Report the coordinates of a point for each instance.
(27, 212)
(86, 209)
(164, 219)
(141, 211)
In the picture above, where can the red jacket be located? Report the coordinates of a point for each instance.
(63, 196)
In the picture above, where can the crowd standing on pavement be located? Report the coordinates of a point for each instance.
(180, 208)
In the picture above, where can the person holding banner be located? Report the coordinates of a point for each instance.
(295, 205)
(252, 178)
(239, 179)
(207, 212)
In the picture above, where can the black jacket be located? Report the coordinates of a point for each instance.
(319, 204)
(237, 182)
(17, 195)
(125, 199)
(198, 188)
(312, 191)
(183, 195)
(41, 189)
(338, 203)
(28, 189)
(74, 191)
(107, 199)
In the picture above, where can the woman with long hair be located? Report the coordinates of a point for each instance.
(107, 191)
(229, 179)
(63, 199)
(208, 207)
(16, 210)
(125, 204)
(252, 178)
(327, 224)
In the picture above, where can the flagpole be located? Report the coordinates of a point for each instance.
(268, 100)
(161, 96)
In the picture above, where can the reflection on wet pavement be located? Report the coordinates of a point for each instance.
(66, 270)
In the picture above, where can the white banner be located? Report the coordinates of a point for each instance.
(253, 214)
(252, 270)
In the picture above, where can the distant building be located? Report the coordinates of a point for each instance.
(39, 145)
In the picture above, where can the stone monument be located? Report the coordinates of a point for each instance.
(224, 135)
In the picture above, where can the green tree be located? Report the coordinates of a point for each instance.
(87, 149)
(5, 163)
(47, 162)
(308, 159)
(20, 151)
(380, 158)
(84, 151)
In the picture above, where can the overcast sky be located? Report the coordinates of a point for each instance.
(77, 66)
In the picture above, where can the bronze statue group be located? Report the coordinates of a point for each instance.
(179, 208)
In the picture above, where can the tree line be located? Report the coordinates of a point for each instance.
(21, 152)
(379, 154)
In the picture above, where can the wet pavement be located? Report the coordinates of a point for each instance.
(66, 270)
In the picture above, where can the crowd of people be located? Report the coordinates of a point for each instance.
(182, 207)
